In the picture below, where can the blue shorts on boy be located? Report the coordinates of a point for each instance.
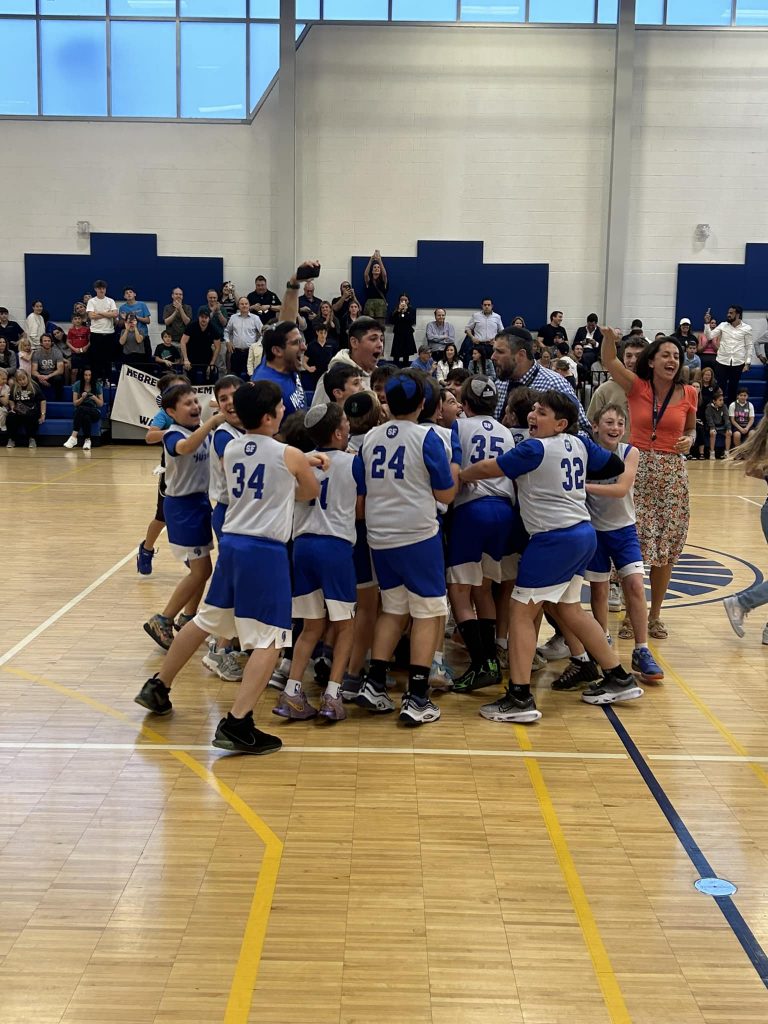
(217, 519)
(412, 578)
(186, 506)
(553, 565)
(361, 555)
(622, 547)
(323, 576)
(481, 541)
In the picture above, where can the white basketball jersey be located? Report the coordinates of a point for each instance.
(400, 506)
(217, 487)
(261, 489)
(186, 474)
(613, 513)
(333, 513)
(552, 495)
(476, 438)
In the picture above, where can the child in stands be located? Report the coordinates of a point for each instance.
(742, 416)
(406, 472)
(79, 341)
(718, 426)
(264, 479)
(186, 506)
(550, 469)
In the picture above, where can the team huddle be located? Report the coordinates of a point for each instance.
(376, 517)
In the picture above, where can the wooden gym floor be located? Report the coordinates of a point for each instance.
(464, 873)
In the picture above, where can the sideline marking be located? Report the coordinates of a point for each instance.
(751, 500)
(725, 904)
(249, 959)
(70, 472)
(609, 986)
(65, 608)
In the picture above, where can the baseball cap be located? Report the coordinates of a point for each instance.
(685, 320)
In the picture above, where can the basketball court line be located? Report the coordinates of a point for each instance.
(751, 500)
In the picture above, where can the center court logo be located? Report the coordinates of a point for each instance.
(703, 576)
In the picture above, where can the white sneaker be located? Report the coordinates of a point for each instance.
(213, 658)
(71, 442)
(555, 649)
(229, 668)
(374, 700)
(87, 444)
(615, 598)
(418, 710)
(440, 677)
(11, 444)
(736, 614)
(538, 662)
(32, 443)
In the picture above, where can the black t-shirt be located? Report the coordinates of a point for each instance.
(199, 343)
(169, 352)
(552, 334)
(267, 299)
(11, 332)
(320, 356)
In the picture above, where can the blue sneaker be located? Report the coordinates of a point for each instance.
(144, 560)
(440, 677)
(644, 663)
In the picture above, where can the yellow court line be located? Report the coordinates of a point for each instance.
(711, 717)
(609, 985)
(249, 960)
(70, 472)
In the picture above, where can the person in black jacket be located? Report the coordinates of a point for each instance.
(403, 320)
(591, 338)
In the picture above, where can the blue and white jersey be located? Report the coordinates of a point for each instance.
(217, 487)
(444, 433)
(612, 513)
(185, 474)
(261, 489)
(403, 463)
(519, 434)
(333, 513)
(550, 474)
(476, 438)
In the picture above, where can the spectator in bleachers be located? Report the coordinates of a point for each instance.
(177, 315)
(79, 341)
(200, 350)
(24, 355)
(167, 355)
(545, 359)
(36, 323)
(366, 346)
(591, 338)
(48, 367)
(218, 323)
(553, 332)
(717, 426)
(635, 331)
(26, 411)
(309, 307)
(582, 370)
(341, 306)
(403, 320)
(5, 391)
(449, 361)
(741, 414)
(376, 288)
(8, 359)
(355, 310)
(734, 349)
(88, 399)
(329, 320)
(263, 302)
(228, 299)
(423, 361)
(439, 334)
(320, 352)
(242, 331)
(102, 314)
(483, 326)
(9, 329)
(479, 363)
(140, 309)
(684, 334)
(691, 362)
(135, 346)
(518, 321)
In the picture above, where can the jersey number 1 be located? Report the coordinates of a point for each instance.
(323, 495)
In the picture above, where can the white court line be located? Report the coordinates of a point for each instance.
(52, 619)
(751, 500)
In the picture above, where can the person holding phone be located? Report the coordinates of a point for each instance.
(376, 288)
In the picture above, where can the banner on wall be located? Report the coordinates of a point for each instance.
(136, 398)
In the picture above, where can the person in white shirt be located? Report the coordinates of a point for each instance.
(734, 349)
(482, 327)
(241, 333)
(102, 313)
(36, 323)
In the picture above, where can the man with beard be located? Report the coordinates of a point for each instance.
(516, 367)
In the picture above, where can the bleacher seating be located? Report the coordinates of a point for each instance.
(58, 419)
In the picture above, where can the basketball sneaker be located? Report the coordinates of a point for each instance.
(350, 687)
(181, 621)
(296, 707)
(241, 734)
(374, 700)
(644, 664)
(417, 710)
(154, 697)
(440, 677)
(144, 560)
(555, 649)
(577, 673)
(616, 685)
(520, 710)
(332, 708)
(161, 630)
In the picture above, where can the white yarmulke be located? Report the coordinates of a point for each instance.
(315, 414)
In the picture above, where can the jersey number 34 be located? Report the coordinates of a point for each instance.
(255, 481)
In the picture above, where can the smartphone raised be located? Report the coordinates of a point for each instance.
(306, 273)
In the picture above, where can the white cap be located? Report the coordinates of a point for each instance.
(685, 320)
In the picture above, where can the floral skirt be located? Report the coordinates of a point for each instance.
(662, 506)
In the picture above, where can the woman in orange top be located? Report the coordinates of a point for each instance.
(662, 413)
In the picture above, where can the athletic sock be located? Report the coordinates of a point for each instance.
(581, 657)
(488, 638)
(332, 690)
(639, 647)
(502, 642)
(292, 687)
(470, 634)
(418, 680)
(519, 691)
(377, 673)
(438, 659)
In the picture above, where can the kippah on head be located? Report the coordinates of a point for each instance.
(358, 405)
(405, 392)
(482, 387)
(406, 384)
(315, 414)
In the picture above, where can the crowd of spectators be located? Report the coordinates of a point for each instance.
(230, 334)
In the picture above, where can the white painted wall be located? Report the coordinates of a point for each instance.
(436, 133)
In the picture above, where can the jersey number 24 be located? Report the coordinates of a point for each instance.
(396, 462)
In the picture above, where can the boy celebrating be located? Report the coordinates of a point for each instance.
(406, 472)
(186, 444)
(264, 478)
(323, 564)
(481, 537)
(550, 469)
(342, 381)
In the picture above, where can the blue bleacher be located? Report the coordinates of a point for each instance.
(59, 415)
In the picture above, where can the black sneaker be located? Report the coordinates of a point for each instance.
(476, 679)
(493, 667)
(154, 697)
(617, 685)
(241, 734)
(322, 669)
(511, 709)
(578, 672)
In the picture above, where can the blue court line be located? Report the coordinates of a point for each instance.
(728, 908)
